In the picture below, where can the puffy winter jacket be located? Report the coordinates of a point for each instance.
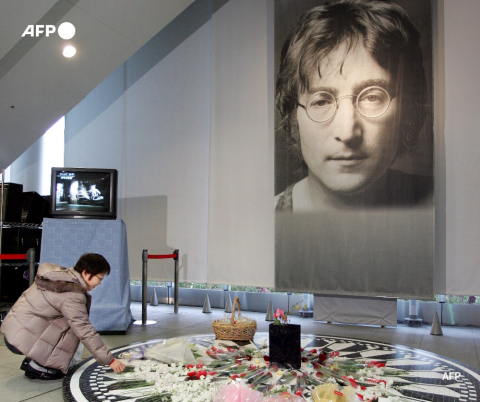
(51, 317)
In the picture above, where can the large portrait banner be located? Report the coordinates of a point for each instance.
(354, 211)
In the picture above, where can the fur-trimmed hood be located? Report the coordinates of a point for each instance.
(58, 279)
(59, 286)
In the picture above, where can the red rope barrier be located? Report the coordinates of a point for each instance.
(13, 256)
(161, 256)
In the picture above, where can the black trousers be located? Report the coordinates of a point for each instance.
(12, 348)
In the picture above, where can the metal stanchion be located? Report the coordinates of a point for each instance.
(169, 285)
(1, 210)
(144, 286)
(31, 266)
(144, 291)
(175, 256)
(145, 258)
(175, 292)
(1, 219)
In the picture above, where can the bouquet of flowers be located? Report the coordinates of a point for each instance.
(280, 317)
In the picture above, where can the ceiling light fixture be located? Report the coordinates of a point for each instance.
(69, 51)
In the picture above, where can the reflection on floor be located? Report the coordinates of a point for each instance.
(459, 343)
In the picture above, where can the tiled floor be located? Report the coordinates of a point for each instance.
(458, 343)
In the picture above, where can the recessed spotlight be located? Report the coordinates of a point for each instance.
(69, 51)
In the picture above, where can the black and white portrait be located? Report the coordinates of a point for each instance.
(353, 141)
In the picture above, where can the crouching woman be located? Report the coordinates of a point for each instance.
(50, 318)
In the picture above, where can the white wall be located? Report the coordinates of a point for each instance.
(33, 168)
(165, 173)
(240, 216)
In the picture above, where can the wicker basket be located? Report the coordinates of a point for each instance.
(234, 332)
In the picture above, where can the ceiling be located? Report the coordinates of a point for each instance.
(38, 85)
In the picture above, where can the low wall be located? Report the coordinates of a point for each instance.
(249, 301)
(462, 315)
(450, 314)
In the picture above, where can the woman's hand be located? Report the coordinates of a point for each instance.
(117, 366)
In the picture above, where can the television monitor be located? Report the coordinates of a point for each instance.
(83, 193)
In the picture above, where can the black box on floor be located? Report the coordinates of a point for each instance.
(284, 345)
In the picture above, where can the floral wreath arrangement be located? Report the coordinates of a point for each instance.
(225, 372)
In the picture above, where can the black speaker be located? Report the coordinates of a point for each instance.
(30, 238)
(46, 211)
(12, 202)
(11, 241)
(33, 207)
(14, 281)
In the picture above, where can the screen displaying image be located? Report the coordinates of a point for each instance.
(82, 191)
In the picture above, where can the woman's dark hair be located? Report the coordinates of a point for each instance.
(386, 32)
(93, 264)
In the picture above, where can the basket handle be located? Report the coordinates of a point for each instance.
(236, 302)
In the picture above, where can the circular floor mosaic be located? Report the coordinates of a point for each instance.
(427, 376)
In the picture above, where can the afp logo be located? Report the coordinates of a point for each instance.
(66, 30)
(455, 375)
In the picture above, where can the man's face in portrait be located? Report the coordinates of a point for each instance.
(349, 152)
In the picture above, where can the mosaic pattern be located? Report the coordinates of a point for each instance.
(431, 377)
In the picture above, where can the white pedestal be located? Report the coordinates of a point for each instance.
(65, 240)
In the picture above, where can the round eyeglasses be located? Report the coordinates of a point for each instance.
(371, 102)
